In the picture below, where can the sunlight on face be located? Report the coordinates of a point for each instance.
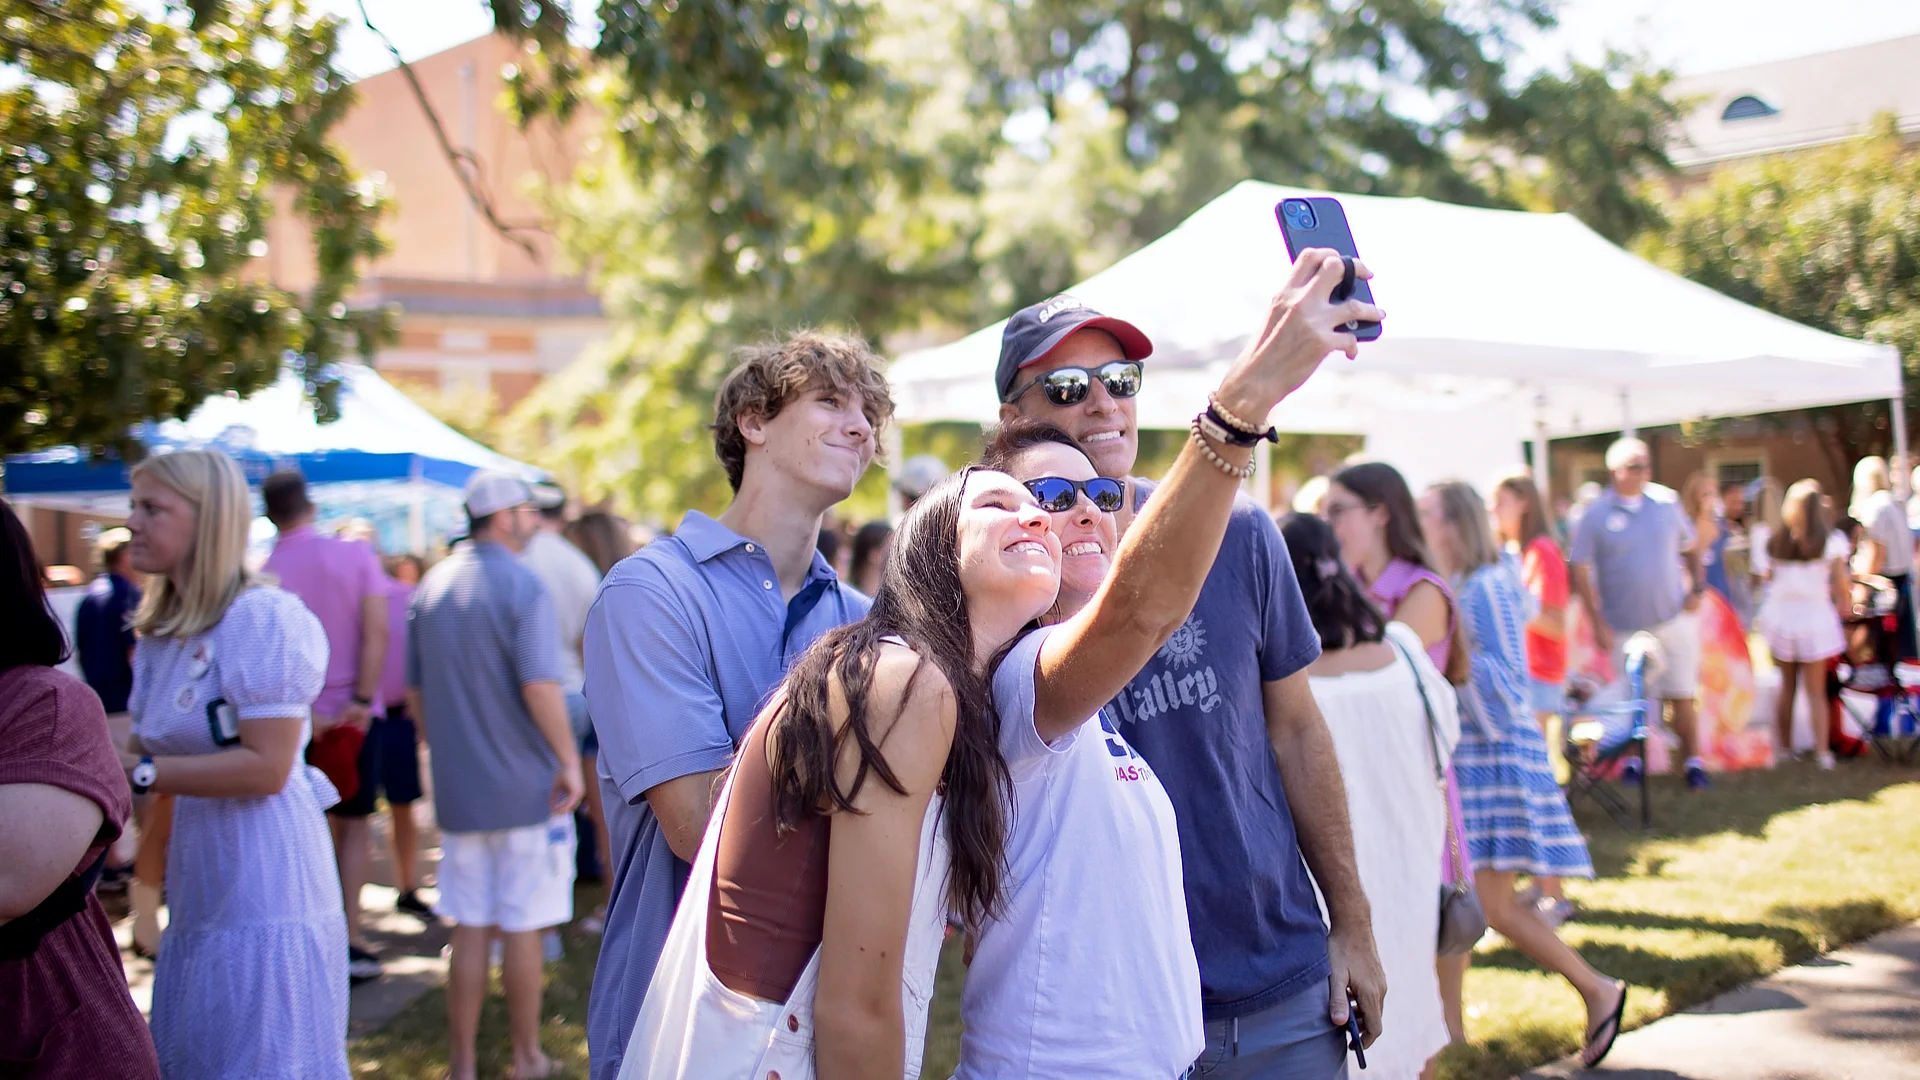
(1088, 536)
(1009, 556)
(163, 523)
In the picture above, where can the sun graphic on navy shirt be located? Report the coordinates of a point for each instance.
(1183, 648)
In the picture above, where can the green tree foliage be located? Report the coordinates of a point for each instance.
(143, 147)
(761, 169)
(910, 168)
(1829, 237)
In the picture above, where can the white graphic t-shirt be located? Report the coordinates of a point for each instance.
(1090, 972)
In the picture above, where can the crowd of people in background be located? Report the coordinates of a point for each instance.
(1047, 699)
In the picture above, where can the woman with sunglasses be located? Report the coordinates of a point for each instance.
(871, 796)
(1052, 990)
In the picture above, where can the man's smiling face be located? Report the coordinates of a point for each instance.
(1102, 424)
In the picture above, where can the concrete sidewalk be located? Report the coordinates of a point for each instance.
(1850, 1015)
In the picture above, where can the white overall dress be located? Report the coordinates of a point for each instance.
(693, 1027)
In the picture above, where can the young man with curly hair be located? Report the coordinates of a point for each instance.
(689, 634)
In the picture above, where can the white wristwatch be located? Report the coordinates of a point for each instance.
(143, 776)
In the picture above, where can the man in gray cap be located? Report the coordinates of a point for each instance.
(483, 677)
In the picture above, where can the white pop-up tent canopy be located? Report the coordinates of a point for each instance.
(1502, 326)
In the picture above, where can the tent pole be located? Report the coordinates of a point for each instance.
(1542, 475)
(1901, 476)
(893, 444)
(416, 512)
(1627, 430)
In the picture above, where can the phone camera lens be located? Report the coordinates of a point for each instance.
(1299, 213)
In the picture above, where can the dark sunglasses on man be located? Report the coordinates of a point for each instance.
(1069, 385)
(1057, 494)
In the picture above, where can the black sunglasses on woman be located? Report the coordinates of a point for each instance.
(1057, 494)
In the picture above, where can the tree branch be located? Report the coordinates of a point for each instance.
(465, 165)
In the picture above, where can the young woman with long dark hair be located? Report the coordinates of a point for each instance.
(1524, 526)
(1394, 722)
(64, 800)
(872, 795)
(1808, 588)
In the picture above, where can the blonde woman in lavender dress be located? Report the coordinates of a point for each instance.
(251, 979)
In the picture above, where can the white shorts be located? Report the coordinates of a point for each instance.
(1678, 674)
(514, 879)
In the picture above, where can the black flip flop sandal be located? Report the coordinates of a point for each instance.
(1610, 1027)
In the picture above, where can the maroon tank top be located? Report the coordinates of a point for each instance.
(769, 896)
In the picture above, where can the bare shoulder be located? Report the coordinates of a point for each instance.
(911, 713)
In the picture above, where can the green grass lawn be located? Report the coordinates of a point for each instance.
(1764, 870)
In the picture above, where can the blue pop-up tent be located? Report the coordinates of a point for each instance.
(385, 456)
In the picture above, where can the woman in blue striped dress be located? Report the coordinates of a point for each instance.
(1514, 815)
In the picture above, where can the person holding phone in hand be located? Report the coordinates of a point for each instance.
(1221, 713)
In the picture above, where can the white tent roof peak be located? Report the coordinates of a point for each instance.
(1496, 318)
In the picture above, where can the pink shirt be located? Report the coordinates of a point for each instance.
(331, 576)
(393, 681)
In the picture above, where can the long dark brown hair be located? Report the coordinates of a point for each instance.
(1804, 524)
(1341, 611)
(1536, 520)
(29, 634)
(921, 602)
(1380, 484)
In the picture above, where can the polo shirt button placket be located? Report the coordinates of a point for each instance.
(766, 584)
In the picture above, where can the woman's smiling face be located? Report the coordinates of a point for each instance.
(1008, 552)
(1087, 534)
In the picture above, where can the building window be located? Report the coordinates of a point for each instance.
(1736, 467)
(1746, 107)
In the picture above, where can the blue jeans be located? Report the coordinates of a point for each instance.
(1293, 1040)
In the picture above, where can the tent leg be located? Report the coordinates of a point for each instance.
(893, 445)
(416, 519)
(1627, 430)
(1901, 476)
(1542, 475)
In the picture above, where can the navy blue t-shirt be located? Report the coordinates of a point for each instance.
(103, 640)
(1197, 714)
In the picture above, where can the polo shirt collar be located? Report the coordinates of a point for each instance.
(706, 538)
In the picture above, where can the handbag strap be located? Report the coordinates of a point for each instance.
(1439, 770)
(1426, 703)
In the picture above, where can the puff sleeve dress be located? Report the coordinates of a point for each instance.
(251, 980)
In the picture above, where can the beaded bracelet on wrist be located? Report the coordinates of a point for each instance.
(1238, 432)
(1238, 472)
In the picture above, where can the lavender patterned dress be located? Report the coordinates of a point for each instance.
(252, 975)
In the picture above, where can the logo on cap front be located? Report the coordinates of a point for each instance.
(1057, 305)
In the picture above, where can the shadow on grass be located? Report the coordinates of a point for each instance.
(1800, 933)
(1740, 802)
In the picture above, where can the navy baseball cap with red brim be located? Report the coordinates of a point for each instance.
(1036, 331)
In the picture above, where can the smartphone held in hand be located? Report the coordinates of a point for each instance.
(1320, 222)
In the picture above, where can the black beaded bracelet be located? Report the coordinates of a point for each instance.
(1232, 429)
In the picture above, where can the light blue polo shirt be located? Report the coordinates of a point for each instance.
(686, 640)
(1634, 555)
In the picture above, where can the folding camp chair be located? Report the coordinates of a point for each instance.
(1870, 668)
(1607, 740)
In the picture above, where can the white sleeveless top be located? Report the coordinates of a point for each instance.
(694, 1027)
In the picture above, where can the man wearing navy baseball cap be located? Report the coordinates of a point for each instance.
(1224, 716)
